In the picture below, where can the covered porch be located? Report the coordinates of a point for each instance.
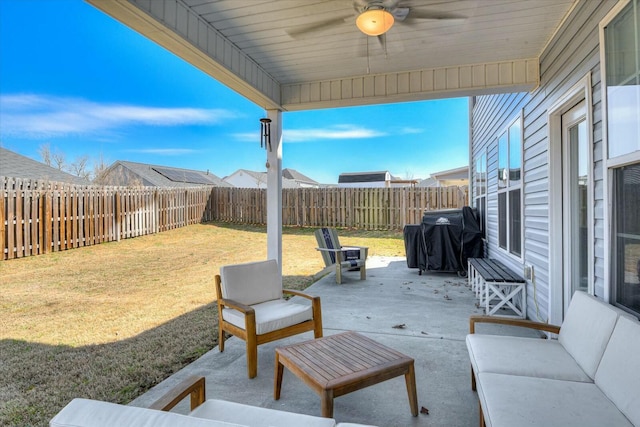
(290, 56)
(426, 317)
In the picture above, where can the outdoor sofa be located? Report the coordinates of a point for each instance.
(589, 376)
(204, 413)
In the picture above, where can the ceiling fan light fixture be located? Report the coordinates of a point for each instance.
(374, 22)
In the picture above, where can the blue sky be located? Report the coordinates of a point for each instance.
(76, 80)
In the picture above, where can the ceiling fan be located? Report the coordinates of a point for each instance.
(375, 17)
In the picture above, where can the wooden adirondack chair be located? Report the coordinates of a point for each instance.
(350, 257)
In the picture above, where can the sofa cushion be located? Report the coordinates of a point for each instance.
(253, 416)
(271, 315)
(515, 401)
(531, 357)
(586, 330)
(252, 282)
(618, 374)
(95, 413)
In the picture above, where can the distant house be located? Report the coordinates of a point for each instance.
(379, 179)
(457, 176)
(14, 165)
(243, 178)
(398, 182)
(302, 180)
(141, 174)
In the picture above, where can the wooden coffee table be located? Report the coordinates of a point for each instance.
(339, 364)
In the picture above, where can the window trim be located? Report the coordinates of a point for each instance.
(508, 188)
(580, 91)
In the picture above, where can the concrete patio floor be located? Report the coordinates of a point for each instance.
(433, 309)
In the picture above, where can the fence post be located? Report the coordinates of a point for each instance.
(403, 221)
(3, 230)
(46, 227)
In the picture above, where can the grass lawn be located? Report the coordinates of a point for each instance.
(110, 321)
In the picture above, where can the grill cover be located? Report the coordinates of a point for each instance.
(445, 241)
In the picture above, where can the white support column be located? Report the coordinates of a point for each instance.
(274, 189)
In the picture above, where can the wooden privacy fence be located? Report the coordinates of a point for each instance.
(37, 217)
(367, 208)
(364, 208)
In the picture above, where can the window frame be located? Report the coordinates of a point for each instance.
(480, 188)
(508, 189)
(611, 165)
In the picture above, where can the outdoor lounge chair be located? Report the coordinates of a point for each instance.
(251, 307)
(351, 257)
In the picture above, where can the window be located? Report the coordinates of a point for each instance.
(620, 41)
(622, 64)
(509, 189)
(626, 264)
(480, 190)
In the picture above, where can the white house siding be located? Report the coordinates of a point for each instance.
(573, 52)
(245, 180)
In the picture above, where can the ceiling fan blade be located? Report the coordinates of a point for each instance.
(318, 26)
(435, 16)
(400, 13)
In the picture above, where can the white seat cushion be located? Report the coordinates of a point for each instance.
(251, 283)
(523, 356)
(271, 315)
(586, 330)
(95, 413)
(618, 375)
(253, 416)
(515, 401)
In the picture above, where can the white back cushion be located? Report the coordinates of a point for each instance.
(94, 413)
(251, 283)
(618, 375)
(586, 330)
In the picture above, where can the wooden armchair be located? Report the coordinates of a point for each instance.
(251, 307)
(350, 257)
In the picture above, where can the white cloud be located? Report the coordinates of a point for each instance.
(410, 131)
(317, 134)
(164, 151)
(334, 132)
(37, 116)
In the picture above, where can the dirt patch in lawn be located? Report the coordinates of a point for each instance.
(110, 321)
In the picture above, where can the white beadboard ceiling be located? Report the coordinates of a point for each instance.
(490, 46)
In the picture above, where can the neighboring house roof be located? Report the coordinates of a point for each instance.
(125, 173)
(363, 177)
(297, 176)
(457, 176)
(428, 182)
(457, 173)
(259, 177)
(15, 165)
